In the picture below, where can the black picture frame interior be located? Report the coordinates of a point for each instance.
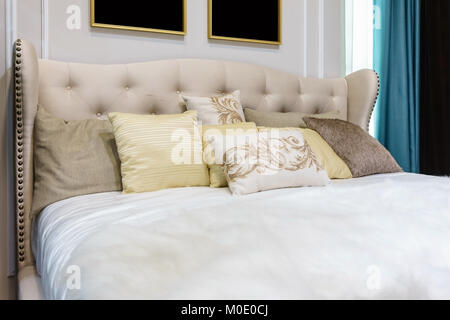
(168, 16)
(257, 21)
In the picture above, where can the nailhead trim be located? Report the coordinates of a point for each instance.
(375, 102)
(19, 154)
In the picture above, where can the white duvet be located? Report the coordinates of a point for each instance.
(379, 237)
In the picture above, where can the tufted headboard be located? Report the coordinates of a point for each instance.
(80, 91)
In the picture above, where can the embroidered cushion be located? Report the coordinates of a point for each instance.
(215, 110)
(272, 159)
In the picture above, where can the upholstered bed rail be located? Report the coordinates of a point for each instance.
(80, 91)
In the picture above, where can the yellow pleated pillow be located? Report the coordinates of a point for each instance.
(159, 151)
(332, 163)
(214, 157)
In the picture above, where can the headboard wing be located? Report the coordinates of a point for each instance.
(363, 90)
(81, 91)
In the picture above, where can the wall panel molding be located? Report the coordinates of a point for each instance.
(29, 22)
(323, 41)
(312, 45)
(44, 29)
(11, 30)
(321, 45)
(305, 38)
(333, 49)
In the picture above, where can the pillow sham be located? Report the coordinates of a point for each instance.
(159, 151)
(330, 161)
(272, 159)
(363, 154)
(72, 158)
(224, 136)
(215, 110)
(284, 119)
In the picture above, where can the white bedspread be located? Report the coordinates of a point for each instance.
(385, 236)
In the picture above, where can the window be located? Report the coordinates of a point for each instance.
(359, 24)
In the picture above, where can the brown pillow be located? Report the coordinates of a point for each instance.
(362, 153)
(72, 158)
(284, 119)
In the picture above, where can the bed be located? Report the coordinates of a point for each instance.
(377, 237)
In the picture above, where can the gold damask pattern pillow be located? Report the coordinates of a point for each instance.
(216, 110)
(272, 159)
(223, 136)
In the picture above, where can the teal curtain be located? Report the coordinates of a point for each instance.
(397, 61)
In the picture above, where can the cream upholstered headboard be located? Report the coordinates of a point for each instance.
(80, 91)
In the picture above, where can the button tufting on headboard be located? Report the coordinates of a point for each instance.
(153, 82)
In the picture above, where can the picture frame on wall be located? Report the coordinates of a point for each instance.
(168, 16)
(247, 21)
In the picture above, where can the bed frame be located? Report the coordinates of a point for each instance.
(81, 91)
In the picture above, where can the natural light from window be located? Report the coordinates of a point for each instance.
(359, 24)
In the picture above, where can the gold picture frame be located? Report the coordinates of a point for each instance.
(211, 36)
(120, 27)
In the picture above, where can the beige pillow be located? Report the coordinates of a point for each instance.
(330, 161)
(159, 151)
(363, 154)
(283, 119)
(215, 110)
(72, 158)
(272, 159)
(214, 158)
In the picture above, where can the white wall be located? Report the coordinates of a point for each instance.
(312, 46)
(311, 39)
(3, 234)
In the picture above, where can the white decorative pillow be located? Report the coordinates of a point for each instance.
(276, 158)
(223, 136)
(215, 110)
